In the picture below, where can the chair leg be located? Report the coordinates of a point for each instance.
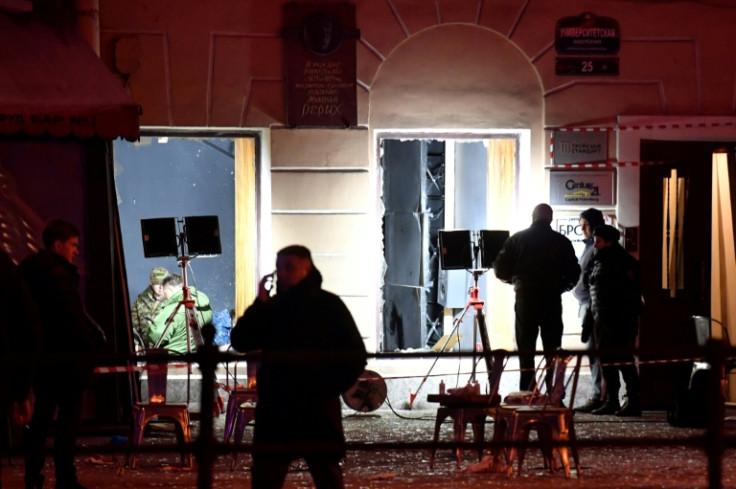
(459, 426)
(441, 416)
(574, 447)
(231, 413)
(479, 432)
(242, 419)
(139, 427)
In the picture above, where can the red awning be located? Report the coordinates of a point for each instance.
(53, 83)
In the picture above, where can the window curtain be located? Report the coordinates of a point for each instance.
(723, 257)
(501, 182)
(246, 239)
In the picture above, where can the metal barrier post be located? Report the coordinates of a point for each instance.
(714, 436)
(206, 442)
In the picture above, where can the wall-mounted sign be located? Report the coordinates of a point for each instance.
(578, 147)
(585, 188)
(587, 34)
(586, 66)
(320, 65)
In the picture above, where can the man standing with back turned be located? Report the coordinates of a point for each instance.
(312, 352)
(66, 330)
(541, 264)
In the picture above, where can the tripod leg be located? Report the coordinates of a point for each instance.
(480, 322)
(195, 327)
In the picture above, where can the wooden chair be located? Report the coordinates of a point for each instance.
(469, 409)
(157, 409)
(553, 422)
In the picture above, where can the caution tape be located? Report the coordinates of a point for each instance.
(606, 164)
(133, 368)
(594, 164)
(644, 127)
(627, 127)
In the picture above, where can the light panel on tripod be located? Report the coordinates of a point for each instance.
(491, 243)
(456, 250)
(203, 235)
(159, 237)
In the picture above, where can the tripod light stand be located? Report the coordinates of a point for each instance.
(201, 235)
(459, 251)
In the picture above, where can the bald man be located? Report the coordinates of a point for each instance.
(541, 264)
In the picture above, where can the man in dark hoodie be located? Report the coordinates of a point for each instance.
(65, 330)
(311, 353)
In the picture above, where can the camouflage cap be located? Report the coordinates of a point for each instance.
(158, 275)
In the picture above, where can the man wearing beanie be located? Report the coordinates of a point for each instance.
(147, 303)
(589, 220)
(615, 301)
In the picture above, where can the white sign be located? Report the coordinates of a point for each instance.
(578, 147)
(584, 188)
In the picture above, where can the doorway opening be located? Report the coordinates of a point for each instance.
(431, 183)
(177, 176)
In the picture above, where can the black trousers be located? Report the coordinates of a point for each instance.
(52, 393)
(537, 313)
(269, 471)
(621, 360)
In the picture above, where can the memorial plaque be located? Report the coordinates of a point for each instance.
(320, 65)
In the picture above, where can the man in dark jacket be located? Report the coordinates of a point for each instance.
(65, 330)
(615, 293)
(19, 336)
(311, 352)
(541, 264)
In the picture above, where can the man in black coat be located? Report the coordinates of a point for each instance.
(541, 264)
(311, 353)
(19, 336)
(67, 336)
(615, 293)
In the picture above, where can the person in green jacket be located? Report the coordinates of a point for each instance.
(175, 336)
(147, 304)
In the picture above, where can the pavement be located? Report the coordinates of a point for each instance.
(390, 450)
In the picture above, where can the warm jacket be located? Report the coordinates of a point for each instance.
(581, 292)
(54, 285)
(615, 293)
(175, 336)
(65, 326)
(312, 351)
(538, 260)
(19, 333)
(145, 306)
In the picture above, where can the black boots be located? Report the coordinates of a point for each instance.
(610, 406)
(589, 406)
(632, 407)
